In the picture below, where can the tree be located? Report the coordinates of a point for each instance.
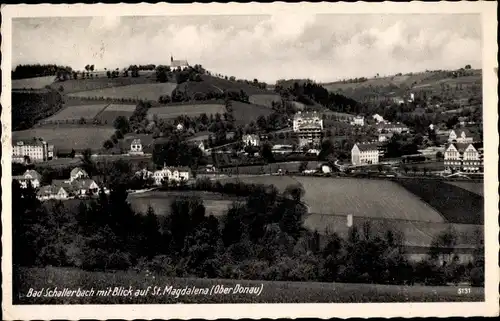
(303, 166)
(122, 124)
(468, 67)
(267, 152)
(296, 192)
(108, 144)
(72, 154)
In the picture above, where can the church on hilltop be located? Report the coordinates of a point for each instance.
(174, 64)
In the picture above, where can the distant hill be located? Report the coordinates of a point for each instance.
(210, 84)
(430, 82)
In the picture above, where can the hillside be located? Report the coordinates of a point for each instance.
(30, 107)
(211, 84)
(431, 82)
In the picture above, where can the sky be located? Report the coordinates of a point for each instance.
(319, 47)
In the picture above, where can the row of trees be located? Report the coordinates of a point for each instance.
(260, 237)
(37, 70)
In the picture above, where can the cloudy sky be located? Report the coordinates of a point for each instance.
(320, 47)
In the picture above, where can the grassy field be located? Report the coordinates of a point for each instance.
(33, 83)
(244, 113)
(148, 91)
(160, 201)
(191, 110)
(112, 111)
(416, 233)
(67, 137)
(366, 198)
(456, 204)
(265, 99)
(75, 113)
(359, 197)
(272, 291)
(280, 182)
(78, 85)
(476, 188)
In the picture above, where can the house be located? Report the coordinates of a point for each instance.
(34, 150)
(378, 118)
(382, 137)
(178, 64)
(462, 136)
(177, 174)
(29, 177)
(326, 169)
(462, 157)
(358, 121)
(77, 173)
(52, 192)
(136, 147)
(251, 140)
(86, 186)
(364, 153)
(144, 173)
(392, 128)
(179, 127)
(308, 126)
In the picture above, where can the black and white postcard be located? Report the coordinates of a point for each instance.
(249, 160)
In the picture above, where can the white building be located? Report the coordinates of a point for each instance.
(392, 128)
(251, 140)
(169, 174)
(179, 127)
(175, 64)
(358, 121)
(378, 118)
(309, 128)
(30, 176)
(382, 137)
(462, 136)
(52, 192)
(34, 150)
(464, 157)
(77, 173)
(136, 147)
(364, 153)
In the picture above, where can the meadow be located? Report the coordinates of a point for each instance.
(476, 188)
(101, 82)
(75, 113)
(147, 91)
(67, 137)
(191, 110)
(456, 204)
(244, 113)
(112, 111)
(359, 197)
(272, 291)
(33, 83)
(264, 99)
(160, 201)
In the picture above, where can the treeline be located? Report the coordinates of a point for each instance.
(179, 95)
(30, 107)
(260, 237)
(310, 93)
(37, 70)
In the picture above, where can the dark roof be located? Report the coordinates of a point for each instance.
(461, 147)
(367, 147)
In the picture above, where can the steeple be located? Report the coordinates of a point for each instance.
(171, 58)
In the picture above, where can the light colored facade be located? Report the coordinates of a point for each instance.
(382, 137)
(358, 121)
(308, 127)
(177, 174)
(392, 128)
(174, 64)
(35, 150)
(136, 147)
(378, 118)
(77, 173)
(251, 140)
(461, 136)
(466, 157)
(52, 192)
(30, 176)
(364, 154)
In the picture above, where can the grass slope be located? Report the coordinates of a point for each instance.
(33, 83)
(78, 85)
(147, 91)
(476, 188)
(244, 113)
(456, 204)
(67, 137)
(192, 110)
(272, 291)
(215, 84)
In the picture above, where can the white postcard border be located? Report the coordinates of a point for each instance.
(211, 311)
